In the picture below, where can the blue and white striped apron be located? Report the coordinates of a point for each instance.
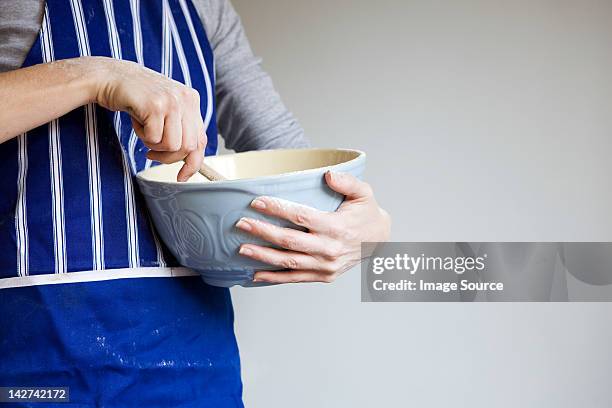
(89, 297)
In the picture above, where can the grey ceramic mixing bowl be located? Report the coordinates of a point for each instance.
(196, 219)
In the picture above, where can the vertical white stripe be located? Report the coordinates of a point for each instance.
(166, 68)
(130, 206)
(137, 33)
(196, 43)
(166, 40)
(21, 213)
(158, 248)
(55, 160)
(132, 149)
(180, 52)
(93, 156)
(137, 30)
(166, 50)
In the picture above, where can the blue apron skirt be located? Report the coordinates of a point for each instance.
(89, 297)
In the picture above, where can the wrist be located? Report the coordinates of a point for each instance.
(97, 74)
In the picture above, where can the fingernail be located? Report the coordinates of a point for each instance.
(259, 204)
(334, 176)
(244, 225)
(257, 279)
(245, 251)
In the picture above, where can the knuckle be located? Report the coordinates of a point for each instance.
(336, 229)
(157, 104)
(302, 217)
(258, 226)
(333, 251)
(273, 203)
(349, 235)
(189, 97)
(184, 91)
(187, 92)
(172, 103)
(194, 95)
(288, 242)
(290, 263)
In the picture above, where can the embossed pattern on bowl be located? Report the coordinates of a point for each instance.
(196, 220)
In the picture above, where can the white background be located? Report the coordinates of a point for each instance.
(482, 120)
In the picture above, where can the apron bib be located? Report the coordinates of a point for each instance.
(90, 297)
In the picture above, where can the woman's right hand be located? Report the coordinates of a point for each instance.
(165, 113)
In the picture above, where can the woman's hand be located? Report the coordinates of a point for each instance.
(332, 244)
(165, 113)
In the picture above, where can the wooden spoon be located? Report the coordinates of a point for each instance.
(210, 173)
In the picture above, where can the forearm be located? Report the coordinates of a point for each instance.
(33, 96)
(30, 97)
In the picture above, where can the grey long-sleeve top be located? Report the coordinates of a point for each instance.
(250, 113)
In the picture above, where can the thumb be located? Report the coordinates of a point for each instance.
(348, 185)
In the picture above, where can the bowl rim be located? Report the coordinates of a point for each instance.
(361, 155)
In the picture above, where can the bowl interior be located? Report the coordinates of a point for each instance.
(257, 164)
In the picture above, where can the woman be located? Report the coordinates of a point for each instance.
(92, 92)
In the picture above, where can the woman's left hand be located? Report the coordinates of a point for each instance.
(332, 243)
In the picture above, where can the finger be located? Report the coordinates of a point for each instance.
(292, 277)
(276, 257)
(138, 128)
(192, 165)
(298, 214)
(172, 139)
(191, 130)
(192, 144)
(348, 185)
(287, 238)
(150, 130)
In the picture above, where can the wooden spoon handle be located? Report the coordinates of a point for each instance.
(210, 173)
